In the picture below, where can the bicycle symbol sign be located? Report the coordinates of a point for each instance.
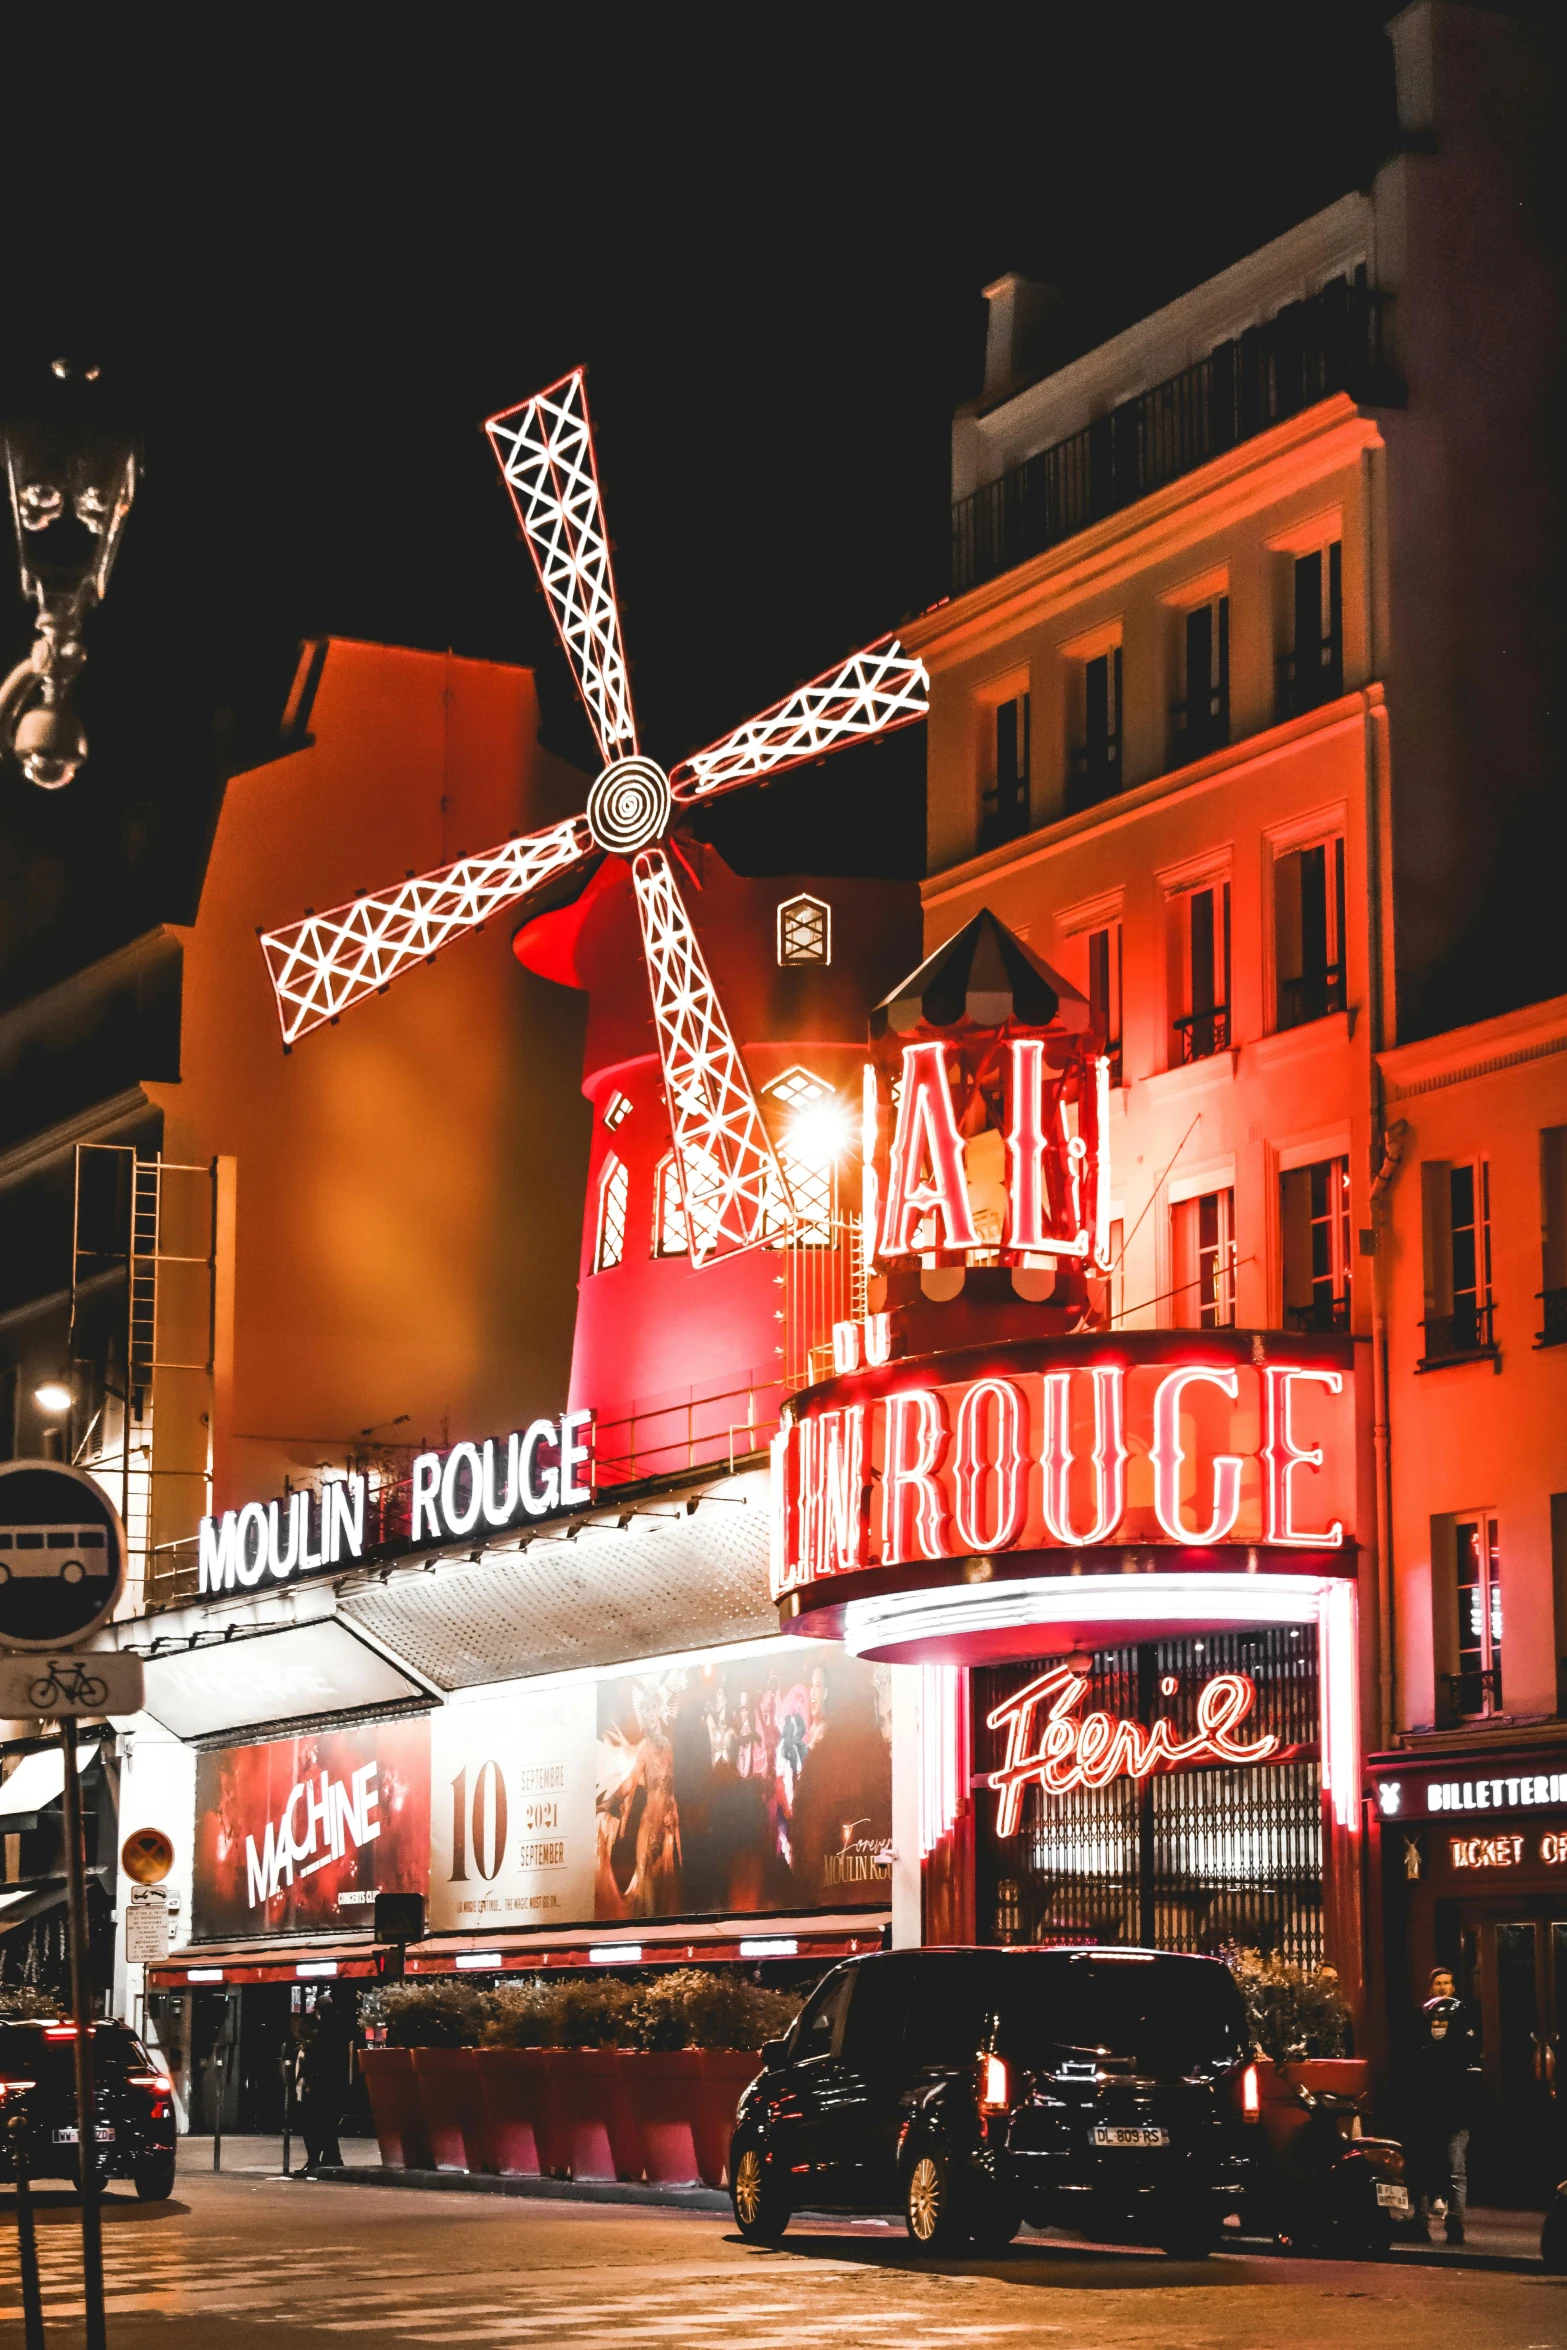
(62, 1555)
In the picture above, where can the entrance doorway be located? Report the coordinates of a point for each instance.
(1512, 1970)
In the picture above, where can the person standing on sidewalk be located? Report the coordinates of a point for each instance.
(323, 2084)
(1446, 2067)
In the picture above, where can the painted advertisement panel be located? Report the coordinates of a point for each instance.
(301, 1833)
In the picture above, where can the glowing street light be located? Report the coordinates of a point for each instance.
(53, 1396)
(72, 475)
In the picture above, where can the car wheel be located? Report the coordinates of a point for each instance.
(155, 2179)
(761, 2208)
(994, 2219)
(930, 2204)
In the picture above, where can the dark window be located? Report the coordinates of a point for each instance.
(1308, 931)
(1203, 978)
(1096, 763)
(1161, 2015)
(1005, 804)
(815, 2034)
(1553, 1234)
(878, 2011)
(29, 1542)
(1315, 1218)
(1455, 1204)
(1478, 1687)
(1313, 669)
(1203, 1249)
(1200, 721)
(950, 2009)
(1104, 991)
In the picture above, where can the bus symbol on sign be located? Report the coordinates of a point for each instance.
(70, 1552)
(62, 1555)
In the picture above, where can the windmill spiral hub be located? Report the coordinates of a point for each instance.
(629, 807)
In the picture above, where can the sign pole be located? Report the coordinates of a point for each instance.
(81, 2008)
(26, 2233)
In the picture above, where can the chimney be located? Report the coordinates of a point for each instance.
(1026, 334)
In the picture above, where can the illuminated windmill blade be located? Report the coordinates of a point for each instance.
(871, 693)
(731, 1183)
(545, 453)
(329, 961)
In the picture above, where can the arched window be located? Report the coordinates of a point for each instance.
(614, 1190)
(804, 931)
(809, 1132)
(669, 1215)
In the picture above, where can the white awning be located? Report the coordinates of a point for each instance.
(39, 1780)
(299, 1671)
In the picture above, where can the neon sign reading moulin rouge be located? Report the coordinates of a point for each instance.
(1067, 1752)
(535, 1471)
(1112, 1450)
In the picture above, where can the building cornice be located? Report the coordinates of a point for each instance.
(1257, 473)
(1482, 1049)
(101, 1117)
(95, 979)
(1255, 753)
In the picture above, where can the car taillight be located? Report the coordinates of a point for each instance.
(1251, 2094)
(148, 2080)
(7, 2085)
(995, 2090)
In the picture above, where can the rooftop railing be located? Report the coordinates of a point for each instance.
(1330, 343)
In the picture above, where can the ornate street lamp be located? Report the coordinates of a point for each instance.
(72, 472)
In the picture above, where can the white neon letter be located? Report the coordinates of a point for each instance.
(218, 1544)
(470, 1515)
(251, 1544)
(832, 1470)
(974, 1462)
(1168, 1456)
(282, 1565)
(497, 1512)
(1284, 1456)
(926, 1128)
(536, 1499)
(1028, 1195)
(427, 1482)
(346, 1503)
(916, 1436)
(571, 1455)
(1109, 1456)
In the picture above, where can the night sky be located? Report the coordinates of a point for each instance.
(312, 261)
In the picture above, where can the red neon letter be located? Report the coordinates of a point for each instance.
(1167, 1456)
(834, 1494)
(1222, 1705)
(1109, 1456)
(1284, 1456)
(974, 1461)
(916, 1425)
(926, 1128)
(1028, 1195)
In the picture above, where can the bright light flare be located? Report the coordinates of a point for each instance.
(822, 1130)
(52, 1395)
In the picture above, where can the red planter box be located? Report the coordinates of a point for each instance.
(453, 2107)
(597, 2118)
(725, 2072)
(665, 2092)
(395, 2108)
(523, 2136)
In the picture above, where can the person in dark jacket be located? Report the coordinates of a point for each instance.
(323, 2084)
(1446, 2068)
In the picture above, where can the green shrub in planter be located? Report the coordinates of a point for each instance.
(692, 2008)
(433, 2014)
(1294, 2012)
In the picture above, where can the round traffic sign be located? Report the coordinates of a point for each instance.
(147, 1856)
(62, 1555)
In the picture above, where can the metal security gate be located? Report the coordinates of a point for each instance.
(1185, 1859)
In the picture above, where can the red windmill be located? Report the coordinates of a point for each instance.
(732, 1185)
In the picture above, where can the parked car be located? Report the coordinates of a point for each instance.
(135, 2105)
(1102, 2090)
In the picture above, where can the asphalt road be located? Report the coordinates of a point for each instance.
(242, 2261)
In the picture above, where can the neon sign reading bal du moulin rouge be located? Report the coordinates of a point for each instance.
(1138, 1438)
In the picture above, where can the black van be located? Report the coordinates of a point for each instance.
(1101, 2090)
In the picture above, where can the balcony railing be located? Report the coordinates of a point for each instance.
(1554, 1330)
(1093, 774)
(1201, 1034)
(1309, 676)
(1458, 1337)
(1475, 1692)
(1330, 343)
(1324, 1315)
(1312, 996)
(1198, 727)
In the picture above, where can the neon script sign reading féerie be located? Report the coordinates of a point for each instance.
(1111, 1450)
(1064, 1751)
